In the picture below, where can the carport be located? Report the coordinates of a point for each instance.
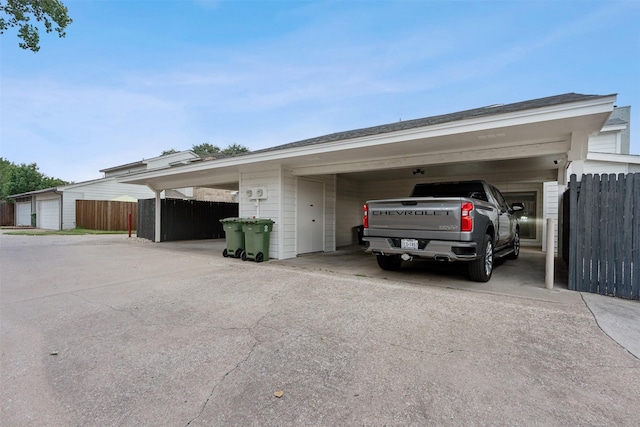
(314, 189)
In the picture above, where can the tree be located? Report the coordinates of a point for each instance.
(18, 179)
(234, 149)
(205, 148)
(231, 150)
(19, 13)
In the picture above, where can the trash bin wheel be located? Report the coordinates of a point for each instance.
(238, 253)
(243, 255)
(259, 257)
(225, 253)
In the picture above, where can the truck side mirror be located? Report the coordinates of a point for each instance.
(517, 206)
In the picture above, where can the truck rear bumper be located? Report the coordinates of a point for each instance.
(439, 250)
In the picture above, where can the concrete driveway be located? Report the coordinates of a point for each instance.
(106, 330)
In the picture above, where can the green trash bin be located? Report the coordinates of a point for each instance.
(256, 238)
(234, 237)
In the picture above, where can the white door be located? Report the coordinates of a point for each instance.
(23, 213)
(48, 215)
(310, 216)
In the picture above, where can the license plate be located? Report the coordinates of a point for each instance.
(409, 244)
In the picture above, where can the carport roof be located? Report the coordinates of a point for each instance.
(529, 136)
(490, 110)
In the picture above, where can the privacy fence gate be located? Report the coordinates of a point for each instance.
(184, 219)
(604, 234)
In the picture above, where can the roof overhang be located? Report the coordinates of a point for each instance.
(534, 137)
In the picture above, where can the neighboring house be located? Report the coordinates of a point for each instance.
(314, 189)
(55, 208)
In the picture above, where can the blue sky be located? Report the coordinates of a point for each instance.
(134, 78)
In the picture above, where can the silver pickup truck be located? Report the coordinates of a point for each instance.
(453, 221)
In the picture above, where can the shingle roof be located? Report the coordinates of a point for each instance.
(616, 121)
(445, 118)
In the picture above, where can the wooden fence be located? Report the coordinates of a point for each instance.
(106, 215)
(7, 216)
(184, 219)
(604, 234)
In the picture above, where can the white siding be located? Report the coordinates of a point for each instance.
(603, 168)
(289, 215)
(269, 208)
(165, 161)
(551, 208)
(605, 142)
(69, 208)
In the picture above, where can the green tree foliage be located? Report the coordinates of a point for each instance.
(22, 13)
(206, 148)
(231, 150)
(234, 149)
(18, 179)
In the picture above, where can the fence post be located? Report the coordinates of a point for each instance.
(551, 248)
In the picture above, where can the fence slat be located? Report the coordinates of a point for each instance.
(635, 259)
(574, 247)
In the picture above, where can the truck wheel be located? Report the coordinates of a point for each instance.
(389, 262)
(515, 246)
(480, 269)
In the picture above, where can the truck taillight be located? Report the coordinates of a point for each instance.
(466, 222)
(365, 218)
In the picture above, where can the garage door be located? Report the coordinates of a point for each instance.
(49, 214)
(23, 213)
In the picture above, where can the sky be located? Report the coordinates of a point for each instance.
(134, 78)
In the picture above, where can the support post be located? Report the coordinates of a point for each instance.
(158, 217)
(550, 259)
(129, 222)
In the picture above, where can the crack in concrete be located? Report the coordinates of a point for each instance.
(257, 341)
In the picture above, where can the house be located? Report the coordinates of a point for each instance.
(314, 189)
(55, 208)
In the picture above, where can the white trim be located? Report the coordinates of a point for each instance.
(614, 158)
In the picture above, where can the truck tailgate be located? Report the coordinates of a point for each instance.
(417, 214)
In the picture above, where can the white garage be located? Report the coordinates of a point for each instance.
(23, 214)
(48, 214)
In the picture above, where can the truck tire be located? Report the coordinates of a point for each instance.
(480, 269)
(389, 262)
(515, 246)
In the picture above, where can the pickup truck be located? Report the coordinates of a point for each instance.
(467, 221)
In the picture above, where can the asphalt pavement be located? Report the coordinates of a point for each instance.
(107, 330)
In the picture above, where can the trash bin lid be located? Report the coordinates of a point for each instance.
(261, 221)
(229, 220)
